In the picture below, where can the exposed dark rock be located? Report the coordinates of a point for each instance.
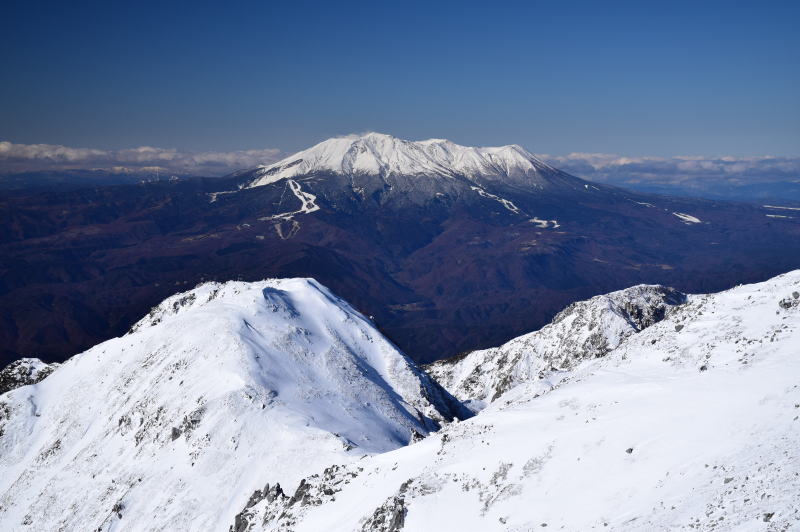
(190, 422)
(389, 517)
(23, 372)
(117, 509)
(272, 506)
(301, 494)
(273, 494)
(789, 302)
(242, 521)
(643, 316)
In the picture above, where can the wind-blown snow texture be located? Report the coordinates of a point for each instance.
(172, 426)
(661, 412)
(692, 423)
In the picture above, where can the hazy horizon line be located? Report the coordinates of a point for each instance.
(603, 167)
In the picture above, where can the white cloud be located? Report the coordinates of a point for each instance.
(29, 157)
(678, 170)
(603, 167)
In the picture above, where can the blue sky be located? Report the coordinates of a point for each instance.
(638, 78)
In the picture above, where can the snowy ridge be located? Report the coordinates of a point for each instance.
(383, 155)
(263, 406)
(691, 424)
(584, 330)
(171, 426)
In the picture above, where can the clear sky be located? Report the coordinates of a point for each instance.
(640, 78)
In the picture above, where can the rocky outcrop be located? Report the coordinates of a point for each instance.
(23, 372)
(272, 509)
(584, 330)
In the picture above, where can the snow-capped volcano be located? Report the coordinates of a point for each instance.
(483, 245)
(384, 155)
(171, 426)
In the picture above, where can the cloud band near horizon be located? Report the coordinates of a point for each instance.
(39, 157)
(677, 170)
(601, 167)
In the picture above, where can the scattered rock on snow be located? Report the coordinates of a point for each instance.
(23, 372)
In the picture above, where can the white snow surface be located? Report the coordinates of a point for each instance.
(586, 329)
(384, 155)
(687, 218)
(308, 202)
(691, 424)
(652, 411)
(173, 425)
(508, 204)
(779, 207)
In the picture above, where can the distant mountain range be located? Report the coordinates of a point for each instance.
(753, 179)
(449, 248)
(74, 179)
(784, 192)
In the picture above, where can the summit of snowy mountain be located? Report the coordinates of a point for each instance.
(275, 406)
(384, 155)
(691, 423)
(171, 426)
(450, 248)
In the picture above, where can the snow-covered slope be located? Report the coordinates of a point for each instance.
(691, 424)
(172, 426)
(586, 329)
(384, 155)
(275, 406)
